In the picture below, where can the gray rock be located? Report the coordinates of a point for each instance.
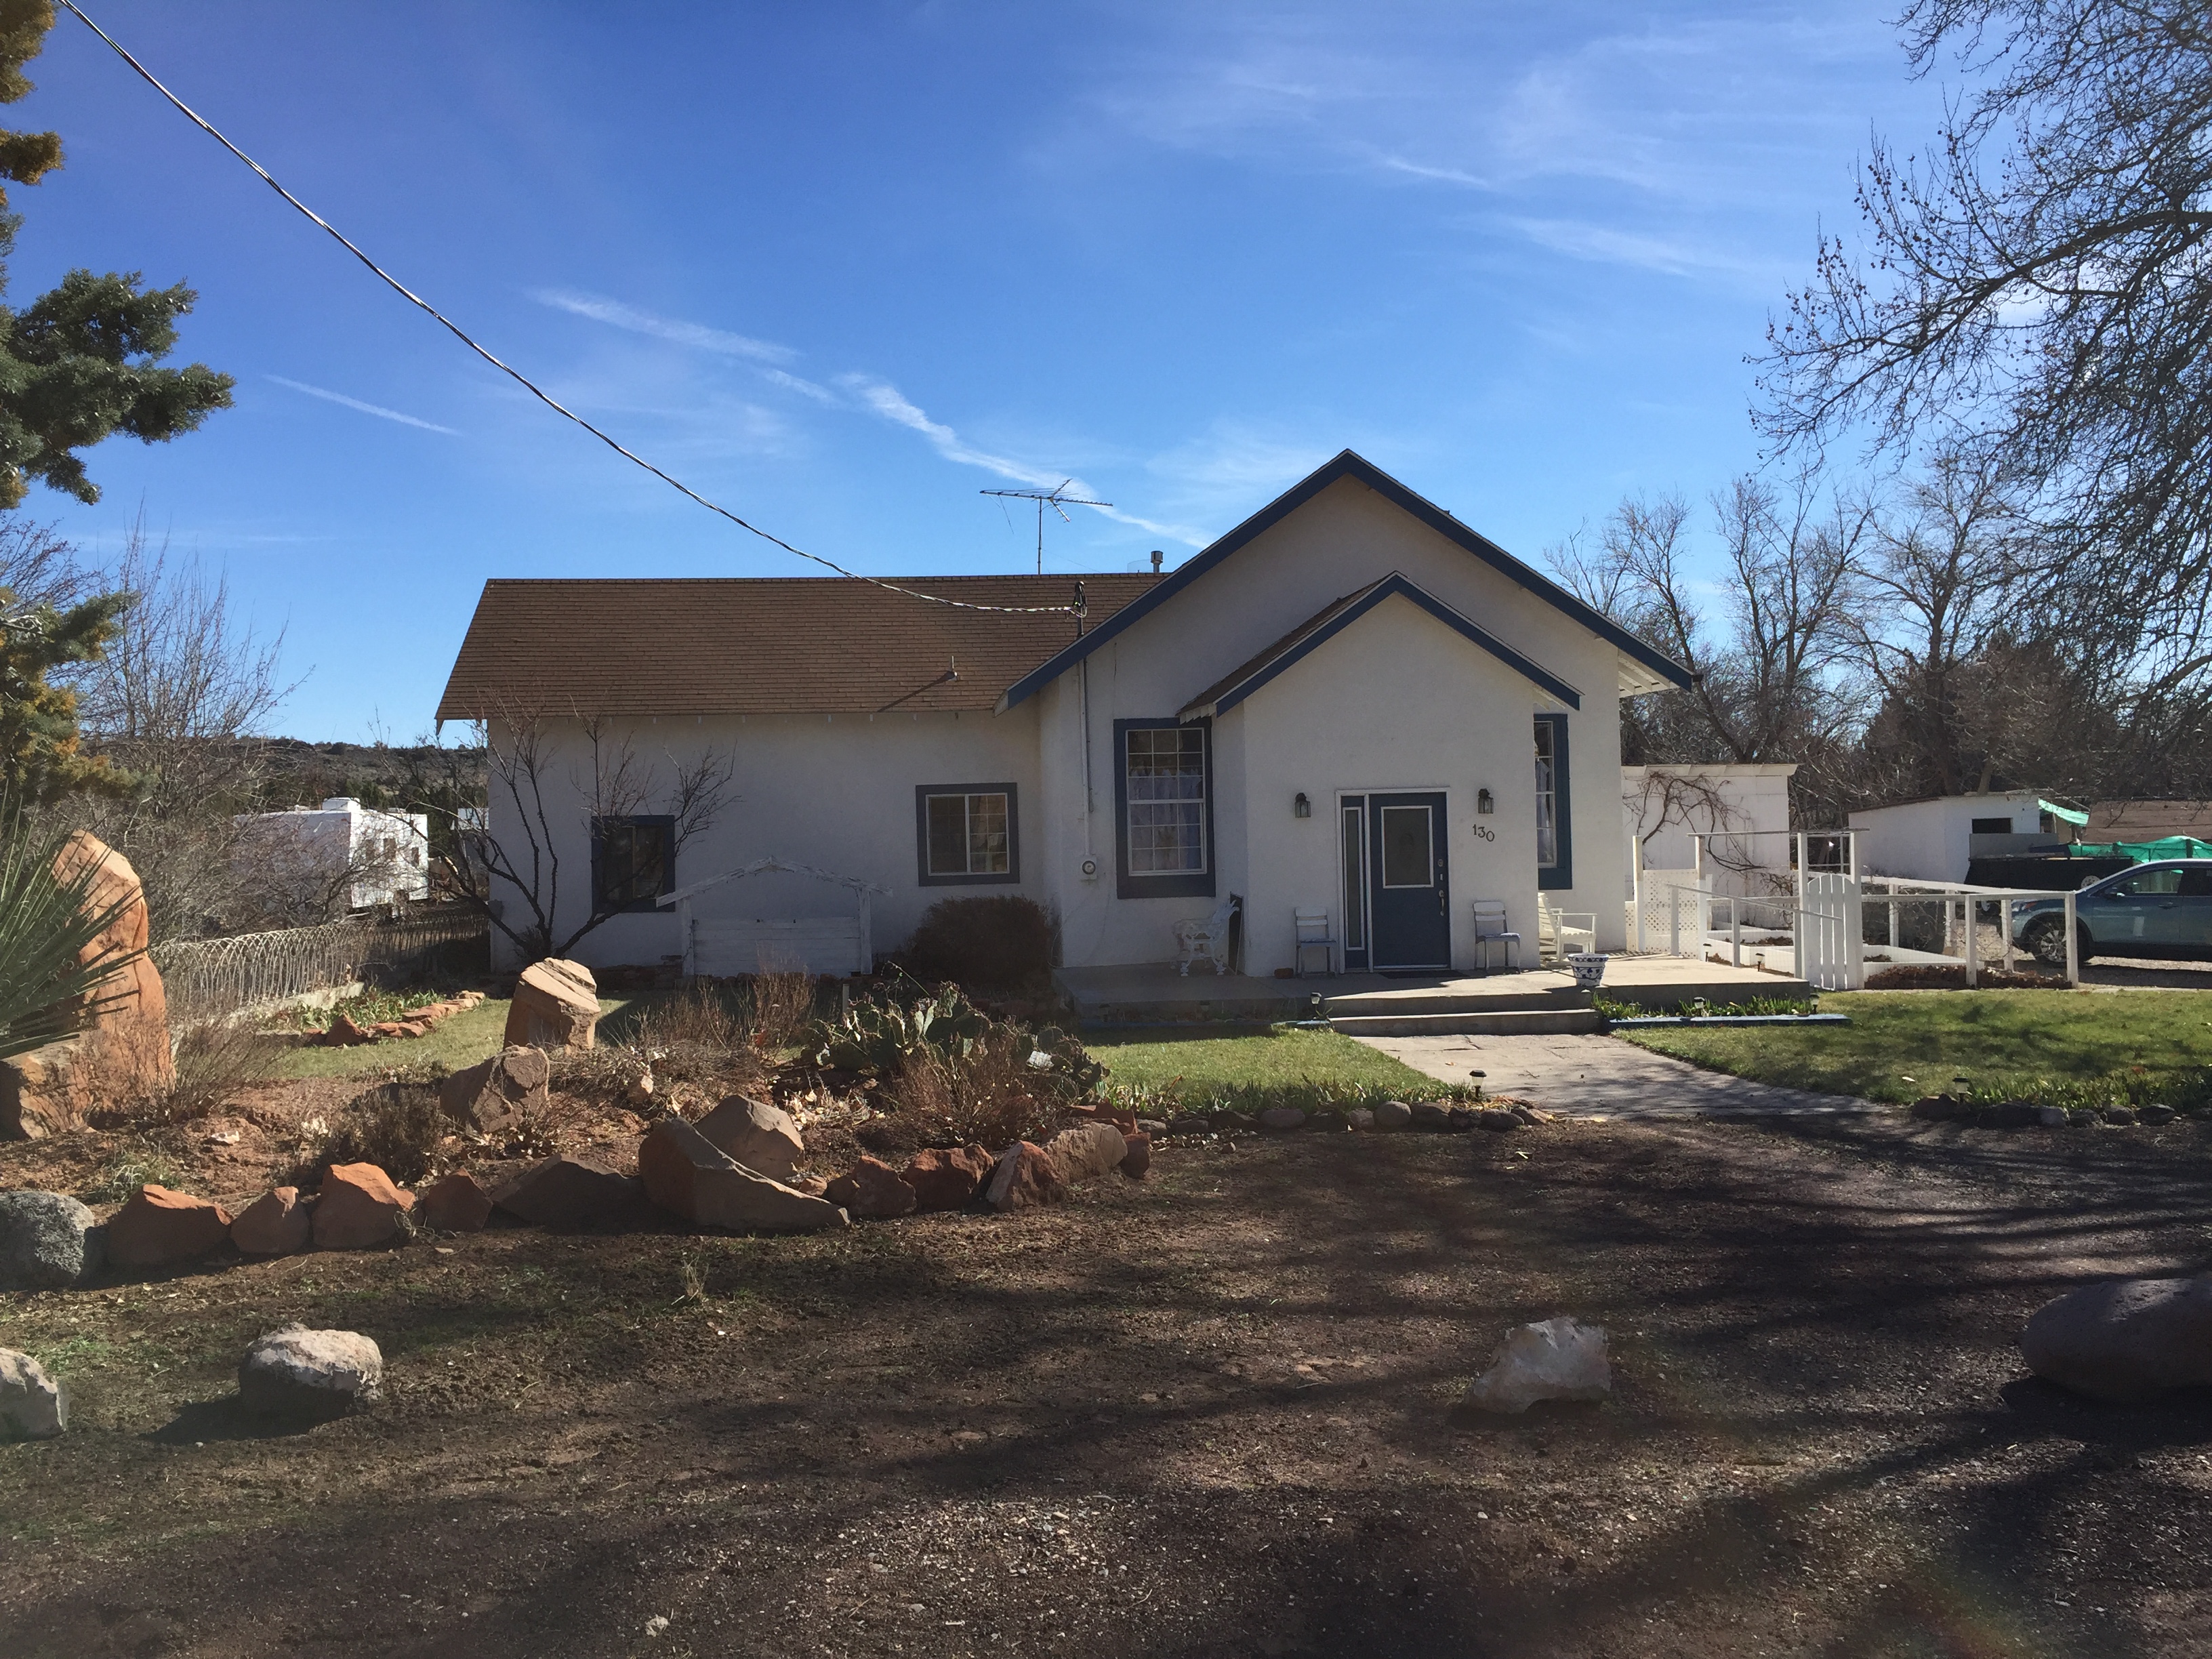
(1498, 1120)
(2126, 1340)
(1360, 1117)
(1427, 1115)
(1461, 1119)
(1936, 1109)
(1527, 1114)
(1151, 1126)
(2082, 1117)
(1237, 1123)
(2016, 1115)
(2120, 1117)
(1328, 1124)
(31, 1404)
(308, 1375)
(2052, 1117)
(1191, 1126)
(1393, 1114)
(48, 1241)
(1276, 1119)
(2156, 1114)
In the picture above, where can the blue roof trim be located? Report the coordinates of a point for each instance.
(1347, 465)
(1394, 584)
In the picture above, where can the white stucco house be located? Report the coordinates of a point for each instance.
(1351, 703)
(335, 857)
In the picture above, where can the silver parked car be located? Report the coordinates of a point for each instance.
(2163, 909)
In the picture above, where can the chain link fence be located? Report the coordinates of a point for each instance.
(213, 978)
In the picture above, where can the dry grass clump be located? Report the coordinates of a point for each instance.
(395, 1126)
(215, 1061)
(991, 1094)
(782, 1007)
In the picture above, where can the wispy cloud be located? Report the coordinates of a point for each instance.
(1605, 245)
(698, 336)
(885, 400)
(377, 410)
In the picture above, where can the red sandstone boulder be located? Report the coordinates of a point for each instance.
(1026, 1175)
(568, 1194)
(1138, 1157)
(454, 1204)
(157, 1227)
(556, 1005)
(1088, 1150)
(872, 1191)
(359, 1208)
(494, 1094)
(765, 1138)
(274, 1223)
(689, 1176)
(123, 1052)
(947, 1180)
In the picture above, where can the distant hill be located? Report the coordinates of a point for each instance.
(302, 774)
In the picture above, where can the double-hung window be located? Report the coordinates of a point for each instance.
(1555, 854)
(967, 834)
(632, 862)
(1163, 802)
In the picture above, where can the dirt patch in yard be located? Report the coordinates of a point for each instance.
(1206, 1415)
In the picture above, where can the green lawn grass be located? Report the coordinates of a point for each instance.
(462, 1040)
(1202, 1066)
(1900, 1046)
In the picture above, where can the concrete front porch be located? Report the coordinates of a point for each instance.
(1533, 1001)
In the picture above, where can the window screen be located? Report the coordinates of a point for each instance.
(1992, 827)
(1166, 795)
(968, 835)
(633, 863)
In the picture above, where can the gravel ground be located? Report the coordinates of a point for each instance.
(1207, 1414)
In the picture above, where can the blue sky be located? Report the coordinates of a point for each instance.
(841, 266)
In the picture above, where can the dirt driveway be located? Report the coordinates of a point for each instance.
(1206, 1415)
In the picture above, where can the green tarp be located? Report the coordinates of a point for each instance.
(2064, 814)
(2144, 852)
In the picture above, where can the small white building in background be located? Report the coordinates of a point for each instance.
(339, 856)
(1935, 840)
(1744, 811)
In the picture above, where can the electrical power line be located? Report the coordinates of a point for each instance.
(512, 372)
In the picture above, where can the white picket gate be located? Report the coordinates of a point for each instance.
(1830, 932)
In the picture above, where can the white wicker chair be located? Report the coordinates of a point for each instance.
(1205, 938)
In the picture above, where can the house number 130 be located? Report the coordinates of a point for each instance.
(1483, 832)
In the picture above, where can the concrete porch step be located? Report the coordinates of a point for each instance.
(1471, 997)
(1514, 1022)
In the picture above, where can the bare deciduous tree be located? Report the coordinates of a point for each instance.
(2038, 288)
(177, 701)
(544, 773)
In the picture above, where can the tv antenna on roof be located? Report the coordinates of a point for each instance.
(1042, 498)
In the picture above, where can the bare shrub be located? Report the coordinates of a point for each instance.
(782, 1006)
(702, 1015)
(396, 1126)
(214, 1060)
(991, 1094)
(1003, 940)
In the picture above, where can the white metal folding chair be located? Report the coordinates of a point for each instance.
(1490, 929)
(1314, 934)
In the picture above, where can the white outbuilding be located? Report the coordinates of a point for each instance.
(337, 857)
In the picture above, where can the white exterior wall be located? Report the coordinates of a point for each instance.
(1385, 707)
(833, 792)
(1754, 817)
(1341, 540)
(303, 850)
(1928, 839)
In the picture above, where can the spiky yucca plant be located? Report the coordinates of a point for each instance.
(46, 991)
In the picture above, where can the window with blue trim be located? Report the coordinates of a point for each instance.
(1555, 846)
(632, 862)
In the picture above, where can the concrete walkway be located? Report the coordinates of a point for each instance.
(1601, 1077)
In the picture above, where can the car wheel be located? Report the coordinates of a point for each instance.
(2045, 939)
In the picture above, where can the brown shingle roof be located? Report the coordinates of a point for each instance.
(746, 646)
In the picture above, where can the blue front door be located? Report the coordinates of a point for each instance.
(1409, 903)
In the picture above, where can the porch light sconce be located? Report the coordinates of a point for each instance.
(1483, 803)
(1301, 807)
